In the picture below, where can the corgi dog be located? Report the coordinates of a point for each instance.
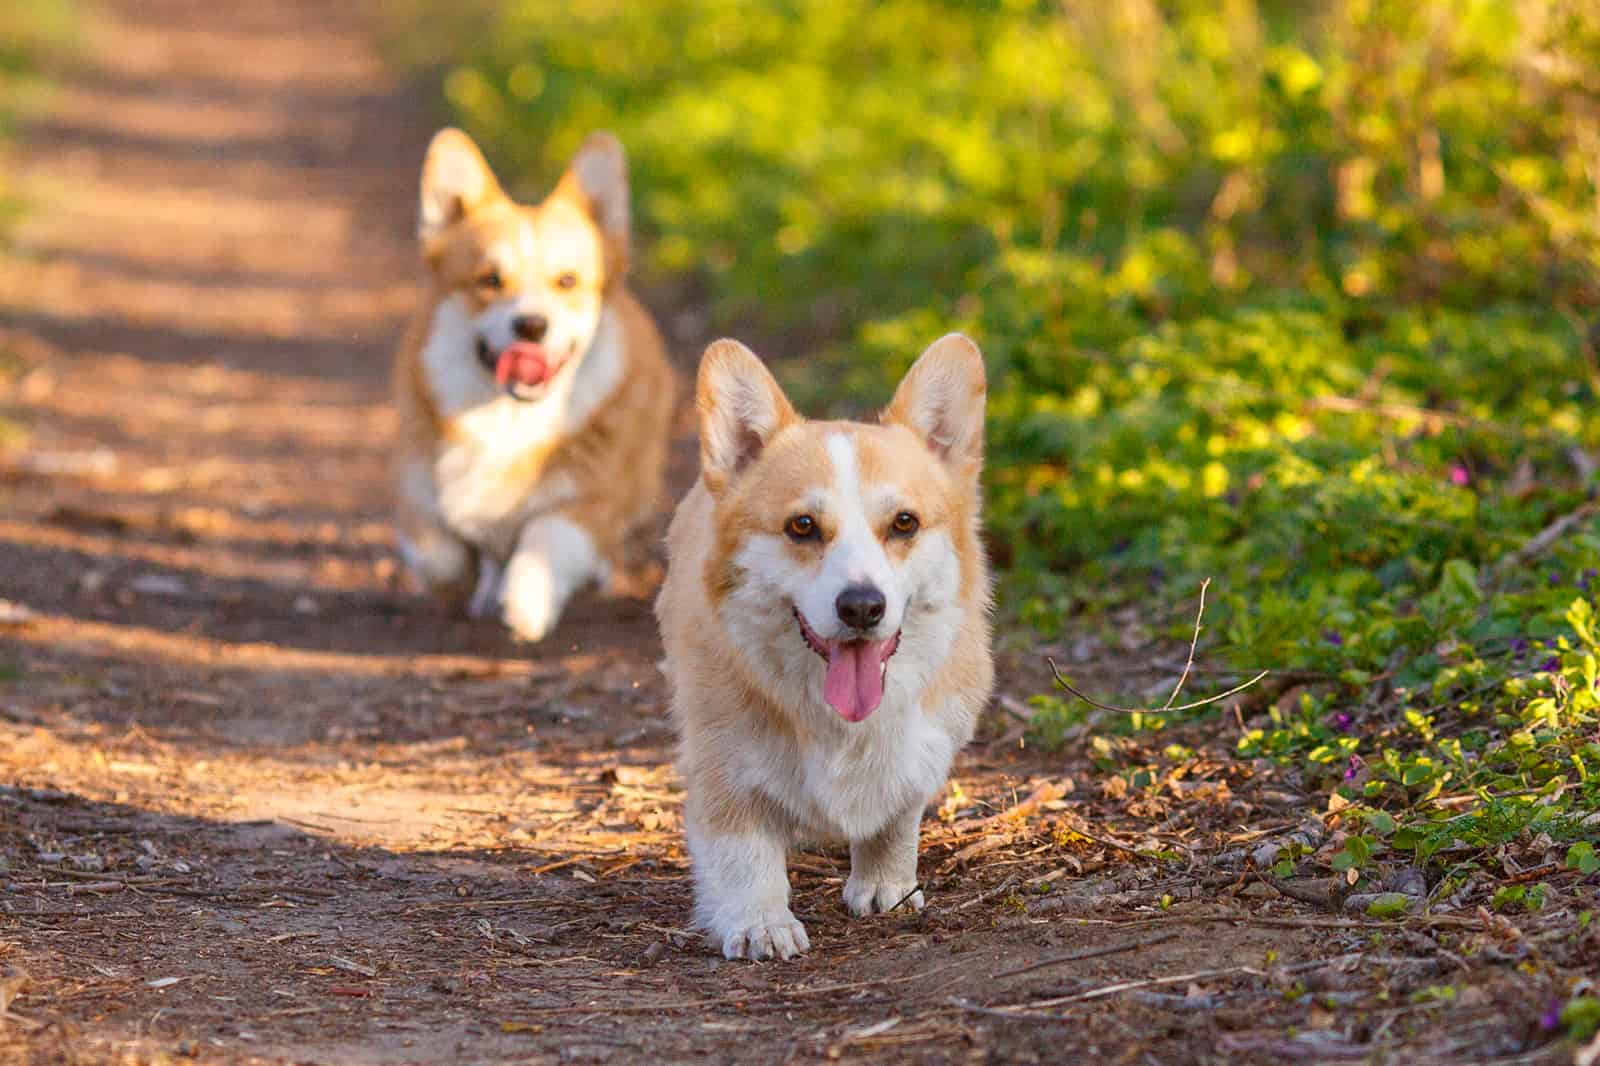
(826, 621)
(533, 390)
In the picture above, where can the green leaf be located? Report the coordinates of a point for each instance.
(1460, 582)
(1389, 905)
(1581, 1016)
(1581, 857)
(1506, 895)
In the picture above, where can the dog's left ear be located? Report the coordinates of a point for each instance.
(941, 400)
(597, 180)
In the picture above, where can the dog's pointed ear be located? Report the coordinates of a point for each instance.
(455, 181)
(941, 400)
(741, 409)
(597, 180)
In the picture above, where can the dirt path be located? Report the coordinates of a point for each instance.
(261, 805)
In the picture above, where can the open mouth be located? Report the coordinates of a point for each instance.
(856, 670)
(522, 368)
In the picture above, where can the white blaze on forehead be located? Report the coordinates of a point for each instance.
(846, 473)
(537, 251)
(565, 241)
(854, 554)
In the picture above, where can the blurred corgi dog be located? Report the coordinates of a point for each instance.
(826, 620)
(533, 389)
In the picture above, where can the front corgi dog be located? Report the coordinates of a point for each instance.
(533, 390)
(825, 616)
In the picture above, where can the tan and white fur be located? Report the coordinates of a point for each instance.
(826, 621)
(533, 389)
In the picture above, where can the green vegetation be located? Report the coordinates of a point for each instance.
(28, 34)
(1295, 297)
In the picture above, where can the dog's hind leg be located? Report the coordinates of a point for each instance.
(441, 563)
(486, 597)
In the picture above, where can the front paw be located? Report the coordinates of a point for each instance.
(866, 895)
(530, 622)
(764, 934)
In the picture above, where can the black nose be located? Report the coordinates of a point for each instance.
(860, 606)
(530, 327)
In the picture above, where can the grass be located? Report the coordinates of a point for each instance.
(1295, 297)
(29, 35)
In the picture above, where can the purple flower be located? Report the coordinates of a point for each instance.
(1520, 647)
(1555, 578)
(1354, 768)
(1334, 637)
(1460, 475)
(1551, 1018)
(1588, 576)
(1550, 665)
(1341, 721)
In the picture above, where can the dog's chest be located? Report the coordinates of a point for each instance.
(490, 473)
(490, 470)
(852, 783)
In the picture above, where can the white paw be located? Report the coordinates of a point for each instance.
(530, 621)
(765, 935)
(864, 895)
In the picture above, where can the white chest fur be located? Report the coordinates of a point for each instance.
(849, 780)
(480, 471)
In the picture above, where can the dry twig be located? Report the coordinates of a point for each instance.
(1540, 542)
(1187, 667)
(1092, 953)
(1127, 986)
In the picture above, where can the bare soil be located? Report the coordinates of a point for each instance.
(261, 804)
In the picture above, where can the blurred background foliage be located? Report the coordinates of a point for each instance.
(31, 35)
(1297, 296)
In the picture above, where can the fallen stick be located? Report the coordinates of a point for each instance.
(1188, 665)
(1540, 542)
(1093, 953)
(1127, 986)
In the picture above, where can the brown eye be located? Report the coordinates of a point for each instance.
(568, 280)
(489, 278)
(905, 523)
(801, 527)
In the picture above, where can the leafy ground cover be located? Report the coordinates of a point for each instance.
(1298, 299)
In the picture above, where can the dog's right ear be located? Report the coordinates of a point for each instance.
(741, 409)
(455, 180)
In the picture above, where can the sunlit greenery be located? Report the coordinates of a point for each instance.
(30, 34)
(1293, 296)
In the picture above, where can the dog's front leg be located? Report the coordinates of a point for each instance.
(883, 868)
(741, 890)
(554, 557)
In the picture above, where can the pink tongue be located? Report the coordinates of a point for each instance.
(854, 686)
(524, 363)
